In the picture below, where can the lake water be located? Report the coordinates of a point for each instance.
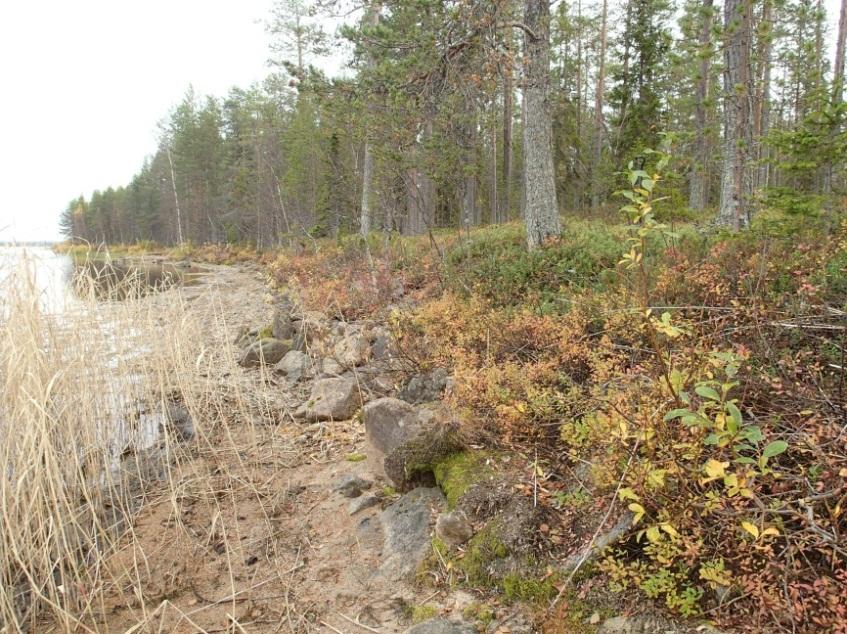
(50, 273)
(105, 333)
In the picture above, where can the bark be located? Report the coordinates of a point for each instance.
(698, 188)
(542, 213)
(596, 175)
(371, 19)
(763, 102)
(735, 183)
(506, 200)
(838, 69)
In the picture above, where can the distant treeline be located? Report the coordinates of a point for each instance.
(429, 129)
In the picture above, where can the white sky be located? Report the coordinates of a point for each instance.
(83, 83)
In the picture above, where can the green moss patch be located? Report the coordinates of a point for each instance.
(456, 473)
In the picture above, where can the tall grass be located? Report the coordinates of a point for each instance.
(87, 397)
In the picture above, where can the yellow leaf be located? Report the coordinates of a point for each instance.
(670, 530)
(639, 512)
(770, 531)
(654, 535)
(751, 528)
(714, 470)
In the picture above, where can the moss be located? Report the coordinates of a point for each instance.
(456, 473)
(479, 612)
(482, 550)
(388, 491)
(355, 457)
(267, 332)
(520, 588)
(421, 613)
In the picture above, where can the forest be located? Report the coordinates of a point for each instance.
(458, 113)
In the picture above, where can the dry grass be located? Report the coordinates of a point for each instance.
(87, 448)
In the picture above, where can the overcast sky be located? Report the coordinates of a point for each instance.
(84, 83)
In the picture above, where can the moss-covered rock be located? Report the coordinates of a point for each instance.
(457, 472)
(421, 455)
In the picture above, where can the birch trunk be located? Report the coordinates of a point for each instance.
(542, 214)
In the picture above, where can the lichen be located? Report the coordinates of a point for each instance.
(266, 332)
(355, 457)
(459, 471)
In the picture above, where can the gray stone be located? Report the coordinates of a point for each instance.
(353, 350)
(331, 399)
(361, 503)
(453, 528)
(603, 541)
(441, 626)
(381, 344)
(178, 421)
(389, 422)
(423, 388)
(331, 367)
(295, 365)
(268, 351)
(412, 460)
(282, 326)
(648, 624)
(406, 526)
(351, 486)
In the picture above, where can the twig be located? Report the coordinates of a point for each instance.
(356, 622)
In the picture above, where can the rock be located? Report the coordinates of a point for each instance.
(353, 350)
(295, 365)
(282, 326)
(351, 486)
(268, 351)
(331, 399)
(178, 420)
(414, 459)
(603, 541)
(381, 344)
(361, 503)
(423, 388)
(647, 624)
(441, 626)
(406, 526)
(331, 367)
(453, 528)
(389, 422)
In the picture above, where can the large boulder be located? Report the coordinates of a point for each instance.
(331, 399)
(389, 422)
(264, 351)
(415, 460)
(423, 388)
(406, 526)
(295, 365)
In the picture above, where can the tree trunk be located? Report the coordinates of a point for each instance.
(838, 68)
(542, 213)
(506, 200)
(698, 188)
(596, 176)
(371, 19)
(764, 98)
(735, 183)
